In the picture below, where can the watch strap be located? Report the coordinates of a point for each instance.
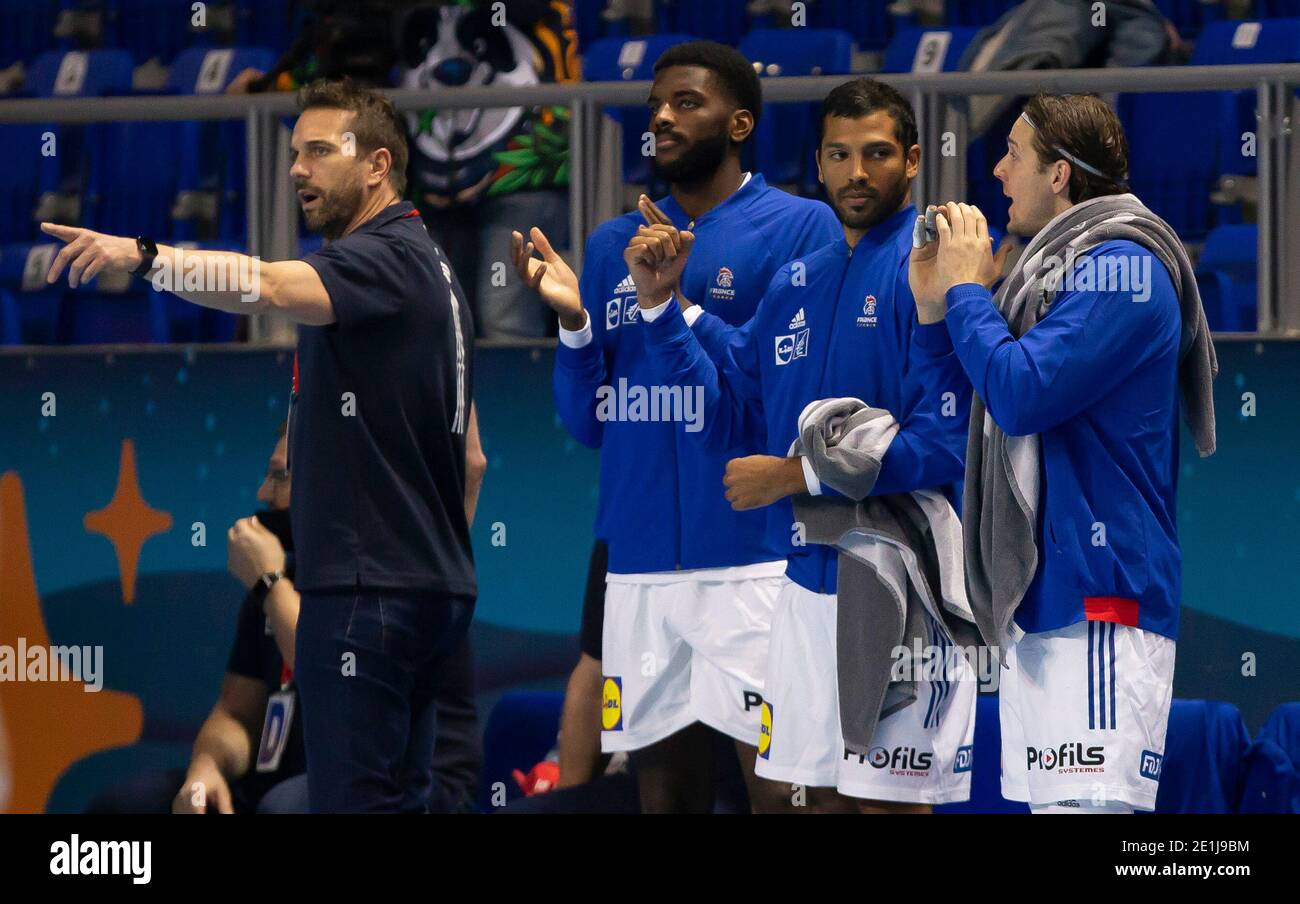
(148, 249)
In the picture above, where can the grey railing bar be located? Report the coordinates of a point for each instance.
(188, 107)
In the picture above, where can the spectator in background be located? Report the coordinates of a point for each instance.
(476, 172)
(338, 38)
(235, 767)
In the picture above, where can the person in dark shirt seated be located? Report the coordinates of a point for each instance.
(238, 765)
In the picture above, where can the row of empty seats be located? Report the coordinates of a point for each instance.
(173, 180)
(145, 29)
(105, 311)
(186, 181)
(872, 24)
(1211, 762)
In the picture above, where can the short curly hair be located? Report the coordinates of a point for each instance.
(377, 123)
(736, 73)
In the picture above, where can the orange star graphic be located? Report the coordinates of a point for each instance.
(50, 724)
(128, 521)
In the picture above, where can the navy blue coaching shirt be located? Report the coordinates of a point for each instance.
(377, 431)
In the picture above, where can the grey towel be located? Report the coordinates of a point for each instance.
(1000, 506)
(900, 570)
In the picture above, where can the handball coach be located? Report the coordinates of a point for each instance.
(379, 417)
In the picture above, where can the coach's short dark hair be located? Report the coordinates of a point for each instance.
(1085, 127)
(863, 96)
(736, 73)
(376, 124)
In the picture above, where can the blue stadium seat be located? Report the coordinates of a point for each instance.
(209, 70)
(868, 22)
(176, 320)
(590, 23)
(89, 317)
(978, 13)
(211, 155)
(1272, 781)
(40, 313)
(986, 773)
(150, 29)
(32, 308)
(520, 731)
(631, 59)
(267, 23)
(919, 49)
(27, 316)
(26, 173)
(786, 143)
(1204, 753)
(1228, 277)
(81, 73)
(28, 29)
(718, 20)
(1278, 9)
(1190, 16)
(132, 178)
(1178, 184)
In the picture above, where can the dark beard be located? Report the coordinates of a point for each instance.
(886, 206)
(337, 208)
(698, 162)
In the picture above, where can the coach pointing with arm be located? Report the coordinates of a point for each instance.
(377, 442)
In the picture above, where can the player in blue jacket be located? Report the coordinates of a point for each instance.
(691, 583)
(839, 322)
(1080, 361)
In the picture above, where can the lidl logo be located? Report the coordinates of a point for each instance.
(1151, 763)
(765, 730)
(611, 706)
(965, 757)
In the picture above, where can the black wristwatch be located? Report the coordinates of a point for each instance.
(264, 584)
(148, 251)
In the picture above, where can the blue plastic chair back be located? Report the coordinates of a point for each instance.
(1205, 748)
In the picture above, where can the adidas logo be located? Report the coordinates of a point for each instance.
(626, 287)
(798, 322)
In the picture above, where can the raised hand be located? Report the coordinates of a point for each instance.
(655, 258)
(655, 217)
(962, 253)
(550, 277)
(88, 253)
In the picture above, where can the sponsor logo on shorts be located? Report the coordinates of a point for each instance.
(1151, 763)
(907, 762)
(964, 759)
(765, 730)
(611, 705)
(1070, 758)
(751, 699)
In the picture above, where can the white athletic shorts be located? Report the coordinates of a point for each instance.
(684, 647)
(1084, 711)
(919, 754)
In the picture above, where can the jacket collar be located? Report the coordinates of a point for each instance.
(749, 190)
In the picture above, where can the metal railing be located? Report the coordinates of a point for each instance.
(595, 139)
